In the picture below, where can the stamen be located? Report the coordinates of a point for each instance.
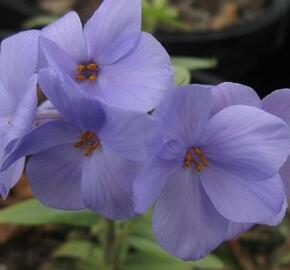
(201, 156)
(92, 66)
(92, 148)
(199, 167)
(88, 151)
(89, 142)
(92, 77)
(96, 145)
(189, 160)
(88, 71)
(204, 160)
(80, 77)
(197, 150)
(80, 68)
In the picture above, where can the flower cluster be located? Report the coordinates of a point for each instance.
(213, 159)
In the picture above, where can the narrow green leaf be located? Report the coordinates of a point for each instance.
(146, 246)
(141, 226)
(210, 262)
(143, 230)
(182, 75)
(80, 249)
(31, 212)
(160, 259)
(144, 261)
(193, 63)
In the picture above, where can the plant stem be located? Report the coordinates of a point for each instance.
(110, 246)
(46, 115)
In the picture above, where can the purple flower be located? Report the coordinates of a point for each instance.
(111, 58)
(18, 99)
(91, 158)
(277, 103)
(215, 175)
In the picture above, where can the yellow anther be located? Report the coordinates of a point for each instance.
(89, 142)
(91, 149)
(92, 66)
(187, 164)
(95, 145)
(92, 77)
(199, 167)
(203, 160)
(80, 77)
(79, 144)
(200, 155)
(87, 152)
(88, 71)
(196, 150)
(194, 156)
(188, 159)
(80, 68)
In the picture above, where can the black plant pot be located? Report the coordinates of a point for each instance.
(14, 12)
(12, 15)
(241, 50)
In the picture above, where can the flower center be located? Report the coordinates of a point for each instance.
(88, 71)
(89, 142)
(200, 163)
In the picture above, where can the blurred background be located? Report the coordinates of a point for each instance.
(245, 41)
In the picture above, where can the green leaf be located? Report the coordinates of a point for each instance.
(193, 63)
(182, 75)
(31, 212)
(151, 256)
(141, 226)
(141, 230)
(144, 261)
(146, 246)
(210, 262)
(80, 249)
(156, 12)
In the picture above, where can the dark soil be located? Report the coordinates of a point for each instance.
(30, 247)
